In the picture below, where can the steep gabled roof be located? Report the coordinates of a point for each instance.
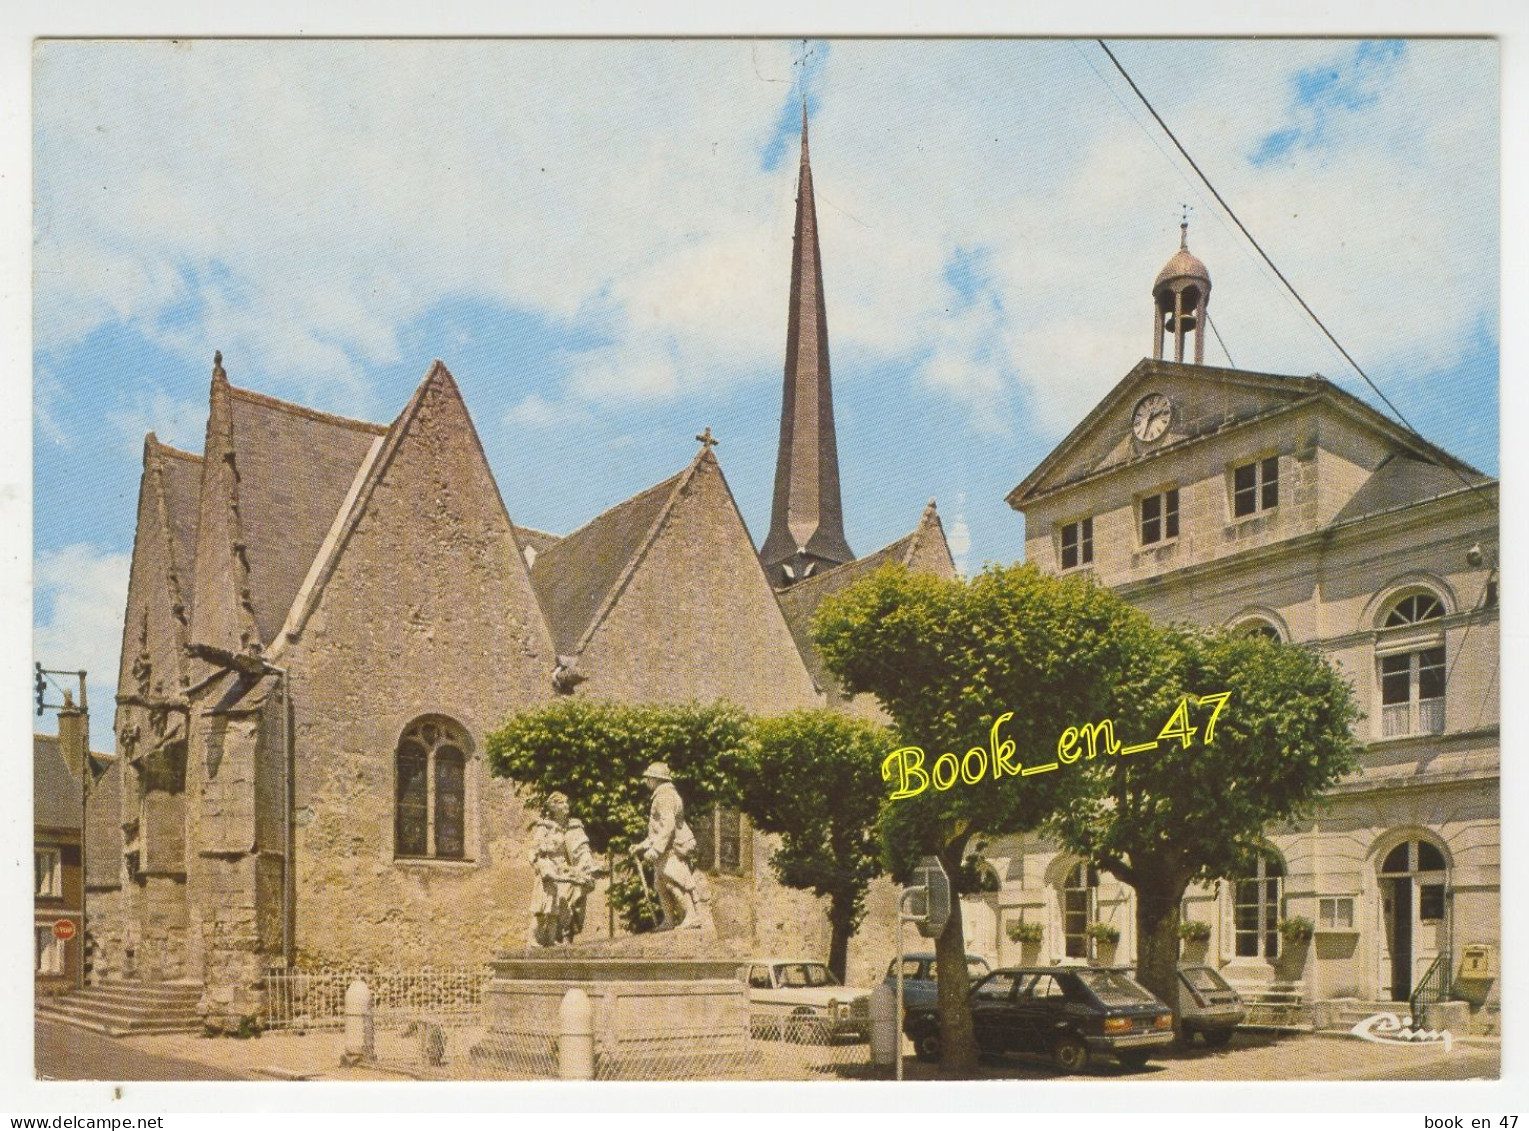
(538, 540)
(801, 601)
(295, 467)
(1402, 480)
(576, 576)
(56, 798)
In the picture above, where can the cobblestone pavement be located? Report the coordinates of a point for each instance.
(316, 1055)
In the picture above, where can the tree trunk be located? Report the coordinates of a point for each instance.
(1157, 935)
(958, 1042)
(839, 917)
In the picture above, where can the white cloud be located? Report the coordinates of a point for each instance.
(84, 591)
(179, 423)
(297, 203)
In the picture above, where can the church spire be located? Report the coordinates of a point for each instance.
(807, 518)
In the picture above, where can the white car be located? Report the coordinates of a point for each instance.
(802, 1001)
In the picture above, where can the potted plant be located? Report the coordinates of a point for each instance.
(1106, 938)
(1296, 929)
(1194, 931)
(1028, 934)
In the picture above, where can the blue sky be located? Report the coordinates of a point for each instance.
(595, 237)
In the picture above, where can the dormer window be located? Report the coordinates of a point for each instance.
(1160, 517)
(1077, 543)
(1255, 487)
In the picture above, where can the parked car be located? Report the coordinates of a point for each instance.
(1068, 1013)
(1207, 1005)
(920, 990)
(803, 1002)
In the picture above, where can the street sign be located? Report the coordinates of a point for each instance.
(63, 929)
(929, 897)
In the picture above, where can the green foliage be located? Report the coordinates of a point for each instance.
(1198, 812)
(1023, 932)
(813, 777)
(947, 658)
(596, 753)
(1102, 932)
(1193, 930)
(1297, 929)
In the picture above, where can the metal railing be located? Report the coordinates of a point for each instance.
(315, 999)
(1432, 987)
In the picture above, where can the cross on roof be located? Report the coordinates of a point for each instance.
(707, 439)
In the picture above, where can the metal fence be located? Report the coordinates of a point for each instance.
(457, 1050)
(315, 999)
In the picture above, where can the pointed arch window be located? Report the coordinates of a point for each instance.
(431, 791)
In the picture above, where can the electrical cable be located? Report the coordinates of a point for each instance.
(1265, 256)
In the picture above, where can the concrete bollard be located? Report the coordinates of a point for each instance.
(576, 1037)
(884, 1035)
(360, 1030)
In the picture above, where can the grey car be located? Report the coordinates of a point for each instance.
(920, 988)
(1207, 1005)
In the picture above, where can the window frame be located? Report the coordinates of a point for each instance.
(1412, 649)
(712, 834)
(1265, 475)
(1079, 944)
(1082, 543)
(451, 744)
(54, 947)
(1166, 517)
(55, 880)
(1268, 903)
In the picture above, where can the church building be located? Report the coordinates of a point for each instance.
(327, 616)
(1285, 506)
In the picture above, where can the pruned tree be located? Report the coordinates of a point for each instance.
(980, 676)
(814, 779)
(1196, 806)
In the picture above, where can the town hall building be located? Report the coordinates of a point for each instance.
(1286, 507)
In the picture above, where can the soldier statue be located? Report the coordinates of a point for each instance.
(684, 901)
(565, 871)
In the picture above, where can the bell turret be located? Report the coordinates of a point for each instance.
(1179, 298)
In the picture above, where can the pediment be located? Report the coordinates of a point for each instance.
(1203, 400)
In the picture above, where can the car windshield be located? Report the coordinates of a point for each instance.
(1114, 988)
(804, 975)
(1204, 979)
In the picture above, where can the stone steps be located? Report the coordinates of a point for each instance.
(124, 1008)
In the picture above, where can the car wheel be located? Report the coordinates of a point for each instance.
(1136, 1058)
(1069, 1054)
(927, 1047)
(1218, 1037)
(804, 1028)
(1184, 1038)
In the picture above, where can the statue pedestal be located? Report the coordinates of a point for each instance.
(668, 1005)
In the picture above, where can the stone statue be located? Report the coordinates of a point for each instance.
(565, 871)
(684, 901)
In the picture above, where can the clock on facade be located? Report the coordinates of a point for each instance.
(1152, 416)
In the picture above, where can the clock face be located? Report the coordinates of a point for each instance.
(1152, 416)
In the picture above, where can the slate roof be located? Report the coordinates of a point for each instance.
(800, 602)
(295, 466)
(55, 791)
(574, 575)
(1401, 480)
(183, 484)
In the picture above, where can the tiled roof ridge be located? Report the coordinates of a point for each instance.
(304, 411)
(522, 528)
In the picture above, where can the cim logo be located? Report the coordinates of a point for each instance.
(1389, 1029)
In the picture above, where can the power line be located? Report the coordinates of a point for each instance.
(1265, 256)
(1219, 342)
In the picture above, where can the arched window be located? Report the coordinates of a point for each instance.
(1080, 894)
(1414, 610)
(431, 811)
(1260, 628)
(1412, 672)
(1256, 906)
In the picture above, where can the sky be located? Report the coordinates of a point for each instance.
(595, 237)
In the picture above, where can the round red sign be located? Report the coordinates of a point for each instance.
(63, 929)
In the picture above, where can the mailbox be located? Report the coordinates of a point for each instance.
(1476, 961)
